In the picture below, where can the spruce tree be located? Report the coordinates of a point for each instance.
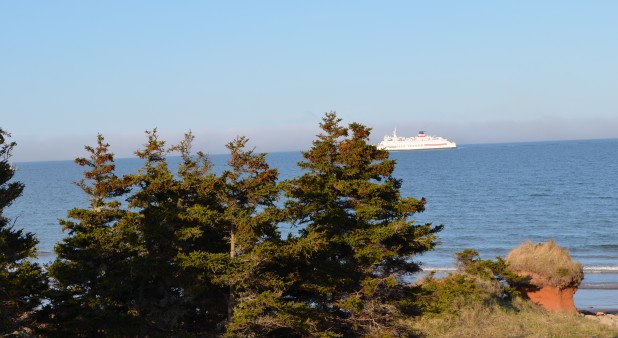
(249, 199)
(120, 271)
(92, 275)
(355, 253)
(155, 198)
(21, 280)
(182, 291)
(202, 253)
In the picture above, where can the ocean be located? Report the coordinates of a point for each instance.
(489, 197)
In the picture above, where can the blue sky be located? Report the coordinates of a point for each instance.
(472, 71)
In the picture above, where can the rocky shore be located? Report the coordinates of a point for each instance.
(610, 319)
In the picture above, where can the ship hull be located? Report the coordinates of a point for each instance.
(417, 148)
(420, 142)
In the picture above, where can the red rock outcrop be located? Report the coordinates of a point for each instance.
(552, 298)
(550, 275)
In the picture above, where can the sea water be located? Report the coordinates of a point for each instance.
(489, 198)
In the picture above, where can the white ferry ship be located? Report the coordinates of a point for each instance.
(419, 142)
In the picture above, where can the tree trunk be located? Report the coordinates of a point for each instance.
(230, 299)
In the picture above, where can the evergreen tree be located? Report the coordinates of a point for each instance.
(249, 196)
(21, 281)
(181, 219)
(156, 199)
(354, 255)
(230, 237)
(92, 273)
(194, 253)
(202, 253)
(120, 271)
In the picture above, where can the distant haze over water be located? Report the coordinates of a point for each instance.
(35, 147)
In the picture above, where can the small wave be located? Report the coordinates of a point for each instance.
(588, 269)
(439, 269)
(604, 197)
(601, 269)
(607, 246)
(599, 286)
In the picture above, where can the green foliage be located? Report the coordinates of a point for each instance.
(93, 273)
(470, 262)
(477, 283)
(163, 263)
(249, 194)
(120, 271)
(186, 252)
(157, 199)
(21, 281)
(357, 241)
(456, 291)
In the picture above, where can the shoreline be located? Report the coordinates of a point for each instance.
(598, 311)
(605, 318)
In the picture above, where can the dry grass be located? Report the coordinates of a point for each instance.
(546, 264)
(524, 320)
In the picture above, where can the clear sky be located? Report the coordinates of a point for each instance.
(472, 71)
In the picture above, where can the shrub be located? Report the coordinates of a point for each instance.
(477, 282)
(455, 292)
